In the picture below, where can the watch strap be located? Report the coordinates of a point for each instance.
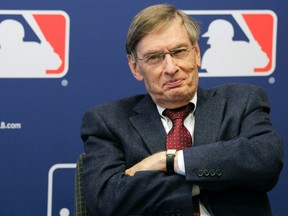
(170, 155)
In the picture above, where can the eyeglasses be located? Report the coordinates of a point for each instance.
(158, 57)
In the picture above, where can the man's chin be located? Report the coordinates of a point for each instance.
(175, 92)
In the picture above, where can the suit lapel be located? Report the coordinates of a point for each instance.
(147, 122)
(208, 116)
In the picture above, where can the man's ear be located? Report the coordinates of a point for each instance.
(134, 68)
(198, 54)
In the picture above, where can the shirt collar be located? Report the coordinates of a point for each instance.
(193, 100)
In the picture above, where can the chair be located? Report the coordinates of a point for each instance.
(80, 203)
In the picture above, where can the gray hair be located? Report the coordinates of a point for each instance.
(158, 17)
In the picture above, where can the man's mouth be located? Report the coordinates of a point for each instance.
(173, 83)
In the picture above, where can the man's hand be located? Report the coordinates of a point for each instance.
(156, 161)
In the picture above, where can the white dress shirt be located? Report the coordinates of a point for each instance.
(189, 123)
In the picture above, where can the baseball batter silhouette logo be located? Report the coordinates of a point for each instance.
(34, 44)
(237, 43)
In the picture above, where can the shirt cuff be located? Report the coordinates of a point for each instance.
(181, 164)
(195, 190)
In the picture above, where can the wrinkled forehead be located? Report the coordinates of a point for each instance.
(162, 25)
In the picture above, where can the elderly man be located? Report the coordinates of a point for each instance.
(180, 149)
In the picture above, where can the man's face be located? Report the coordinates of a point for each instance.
(173, 82)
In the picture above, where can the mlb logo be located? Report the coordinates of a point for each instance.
(34, 44)
(236, 42)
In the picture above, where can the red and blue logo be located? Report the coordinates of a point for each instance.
(34, 44)
(236, 42)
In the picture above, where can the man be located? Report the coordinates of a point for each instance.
(235, 155)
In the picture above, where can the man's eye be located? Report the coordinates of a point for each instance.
(153, 57)
(179, 52)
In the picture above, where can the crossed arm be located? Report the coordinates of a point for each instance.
(154, 162)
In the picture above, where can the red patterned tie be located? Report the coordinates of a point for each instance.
(179, 137)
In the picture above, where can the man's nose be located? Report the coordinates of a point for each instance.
(170, 65)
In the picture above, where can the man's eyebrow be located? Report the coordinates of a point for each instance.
(182, 45)
(150, 52)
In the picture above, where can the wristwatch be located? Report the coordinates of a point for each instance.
(170, 155)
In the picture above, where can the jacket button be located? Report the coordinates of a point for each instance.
(218, 172)
(206, 172)
(212, 172)
(200, 173)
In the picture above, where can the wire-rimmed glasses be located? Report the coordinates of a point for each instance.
(158, 57)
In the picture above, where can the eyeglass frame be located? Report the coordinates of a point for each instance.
(162, 55)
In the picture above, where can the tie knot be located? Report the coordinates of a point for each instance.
(179, 113)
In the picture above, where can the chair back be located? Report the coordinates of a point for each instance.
(80, 203)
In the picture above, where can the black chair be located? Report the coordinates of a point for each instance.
(80, 203)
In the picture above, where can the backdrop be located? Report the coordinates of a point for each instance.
(73, 57)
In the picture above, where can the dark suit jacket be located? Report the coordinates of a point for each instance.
(236, 158)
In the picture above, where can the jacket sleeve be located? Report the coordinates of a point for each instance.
(248, 152)
(109, 191)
